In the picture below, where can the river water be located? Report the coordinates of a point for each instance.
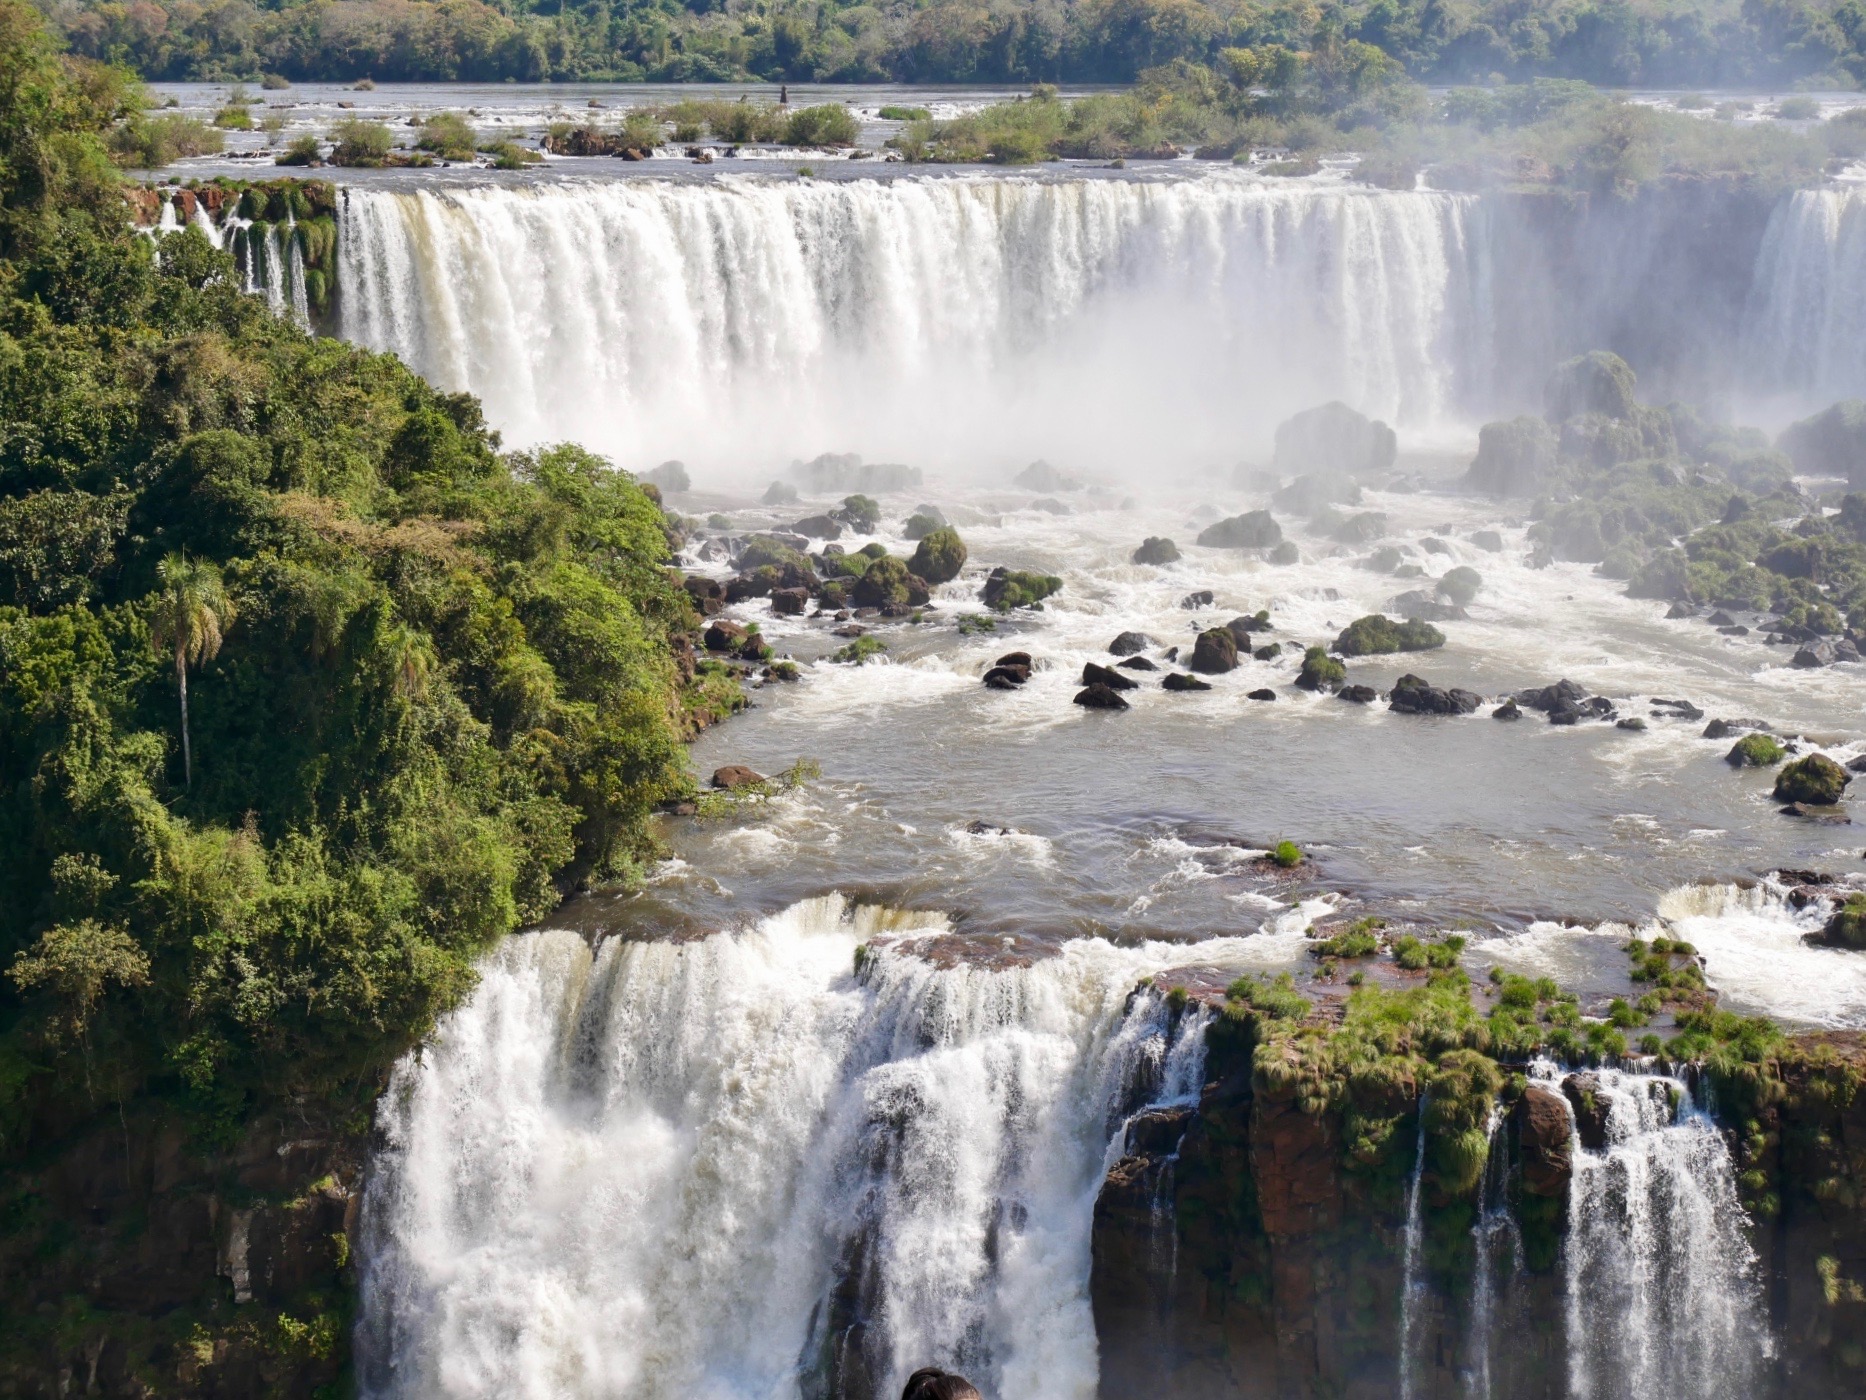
(873, 1040)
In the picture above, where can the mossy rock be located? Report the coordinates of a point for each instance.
(939, 556)
(1847, 927)
(1320, 671)
(1513, 459)
(1255, 529)
(1215, 652)
(1014, 588)
(761, 550)
(1816, 780)
(1461, 584)
(886, 583)
(1756, 751)
(1156, 549)
(1378, 635)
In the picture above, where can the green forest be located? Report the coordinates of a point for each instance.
(1662, 43)
(308, 693)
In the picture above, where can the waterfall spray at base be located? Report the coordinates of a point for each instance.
(1663, 1291)
(737, 1167)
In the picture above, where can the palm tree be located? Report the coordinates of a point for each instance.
(192, 612)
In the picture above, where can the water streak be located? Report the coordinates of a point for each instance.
(1413, 1287)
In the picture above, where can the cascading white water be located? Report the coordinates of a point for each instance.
(973, 320)
(1495, 1233)
(1413, 1284)
(685, 1169)
(1808, 301)
(1662, 1285)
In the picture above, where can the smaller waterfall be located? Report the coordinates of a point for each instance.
(1495, 1234)
(1807, 313)
(1413, 1290)
(271, 266)
(1663, 1293)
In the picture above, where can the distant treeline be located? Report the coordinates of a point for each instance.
(1609, 42)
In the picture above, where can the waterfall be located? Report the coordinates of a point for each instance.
(1495, 1232)
(747, 319)
(1663, 1289)
(758, 1164)
(1807, 316)
(1413, 1285)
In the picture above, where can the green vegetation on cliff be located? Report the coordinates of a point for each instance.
(308, 694)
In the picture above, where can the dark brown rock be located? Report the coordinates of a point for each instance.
(1178, 680)
(735, 776)
(1100, 697)
(1215, 652)
(1545, 1138)
(1102, 675)
(1589, 1102)
(725, 636)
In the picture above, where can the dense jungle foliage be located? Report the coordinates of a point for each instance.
(1667, 43)
(307, 693)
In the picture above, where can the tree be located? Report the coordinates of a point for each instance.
(192, 615)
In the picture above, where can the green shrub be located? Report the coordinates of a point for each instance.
(1287, 855)
(356, 142)
(830, 124)
(449, 136)
(860, 650)
(234, 118)
(1360, 939)
(904, 114)
(303, 150)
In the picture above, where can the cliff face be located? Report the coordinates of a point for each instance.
(1239, 1251)
(139, 1262)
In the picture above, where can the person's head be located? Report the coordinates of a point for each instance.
(931, 1383)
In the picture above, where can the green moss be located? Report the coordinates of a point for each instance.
(1320, 671)
(1376, 635)
(1013, 588)
(1756, 751)
(1816, 779)
(860, 651)
(939, 556)
(885, 583)
(1359, 939)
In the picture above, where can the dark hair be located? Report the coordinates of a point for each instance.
(931, 1383)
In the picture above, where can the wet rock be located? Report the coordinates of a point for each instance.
(1506, 711)
(1587, 1097)
(1676, 709)
(1156, 549)
(725, 636)
(1857, 765)
(1814, 655)
(1738, 630)
(1320, 671)
(1014, 658)
(1417, 604)
(1412, 695)
(1847, 927)
(1431, 544)
(1364, 528)
(1041, 476)
(1384, 560)
(1101, 675)
(1812, 781)
(1130, 644)
(1138, 663)
(1006, 677)
(1545, 1142)
(1215, 652)
(1192, 602)
(1632, 722)
(1100, 697)
(1263, 694)
(1809, 811)
(735, 776)
(708, 595)
(1269, 653)
(1358, 694)
(1720, 618)
(1052, 506)
(1285, 553)
(789, 602)
(1724, 728)
(1542, 556)
(1255, 529)
(1680, 610)
(1335, 438)
(1178, 680)
(1488, 540)
(1241, 628)
(1550, 696)
(819, 527)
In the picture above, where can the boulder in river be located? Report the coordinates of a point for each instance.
(1376, 635)
(1179, 680)
(1264, 693)
(1514, 458)
(1815, 781)
(1192, 602)
(1756, 750)
(1364, 528)
(723, 635)
(1101, 675)
(1156, 549)
(1215, 652)
(1320, 671)
(1550, 697)
(819, 527)
(1042, 477)
(1100, 697)
(1137, 663)
(939, 556)
(1413, 695)
(1506, 711)
(735, 776)
(1359, 694)
(1254, 529)
(1334, 438)
(1130, 644)
(789, 602)
(1847, 927)
(1724, 728)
